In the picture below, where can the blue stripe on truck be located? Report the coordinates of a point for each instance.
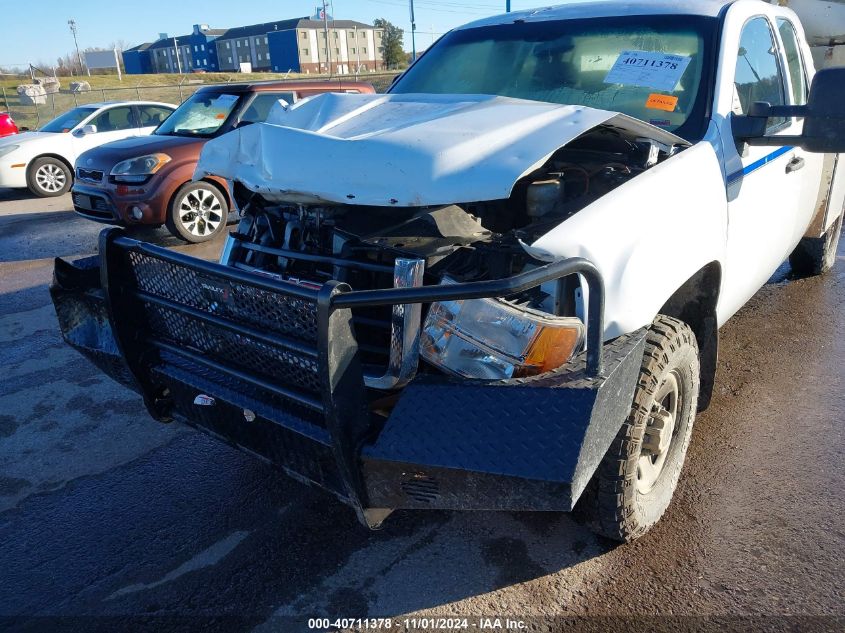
(757, 164)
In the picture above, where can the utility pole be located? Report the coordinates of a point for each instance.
(358, 53)
(326, 31)
(72, 24)
(508, 6)
(413, 34)
(176, 50)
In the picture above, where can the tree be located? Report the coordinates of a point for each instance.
(391, 49)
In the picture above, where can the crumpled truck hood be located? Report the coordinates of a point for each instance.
(403, 149)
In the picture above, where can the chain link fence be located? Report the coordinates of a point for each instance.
(34, 116)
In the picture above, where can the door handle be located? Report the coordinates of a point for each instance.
(795, 164)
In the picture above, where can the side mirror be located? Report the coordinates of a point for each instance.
(824, 118)
(85, 130)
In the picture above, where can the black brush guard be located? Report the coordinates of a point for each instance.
(273, 368)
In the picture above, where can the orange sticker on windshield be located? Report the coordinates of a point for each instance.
(223, 116)
(661, 102)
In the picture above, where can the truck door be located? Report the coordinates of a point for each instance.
(768, 207)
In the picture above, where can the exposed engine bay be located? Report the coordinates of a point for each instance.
(466, 241)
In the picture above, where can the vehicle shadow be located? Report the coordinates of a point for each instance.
(199, 530)
(14, 195)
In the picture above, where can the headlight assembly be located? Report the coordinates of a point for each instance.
(491, 339)
(8, 149)
(136, 170)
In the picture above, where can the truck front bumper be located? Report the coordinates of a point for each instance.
(273, 369)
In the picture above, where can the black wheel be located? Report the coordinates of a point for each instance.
(815, 255)
(48, 177)
(198, 212)
(634, 483)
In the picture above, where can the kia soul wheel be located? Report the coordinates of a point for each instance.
(198, 212)
(636, 479)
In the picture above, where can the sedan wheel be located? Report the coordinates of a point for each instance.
(48, 177)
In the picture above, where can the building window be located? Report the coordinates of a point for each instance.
(246, 42)
(364, 50)
(363, 34)
(265, 40)
(351, 33)
(230, 59)
(354, 51)
(304, 35)
(238, 43)
(228, 47)
(323, 34)
(258, 56)
(205, 61)
(196, 48)
(337, 51)
(305, 51)
(202, 47)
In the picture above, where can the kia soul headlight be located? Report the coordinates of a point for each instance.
(491, 339)
(139, 169)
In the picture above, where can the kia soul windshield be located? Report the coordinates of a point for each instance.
(649, 67)
(203, 115)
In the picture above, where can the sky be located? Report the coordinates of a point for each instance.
(43, 35)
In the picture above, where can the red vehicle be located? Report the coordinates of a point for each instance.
(7, 126)
(148, 180)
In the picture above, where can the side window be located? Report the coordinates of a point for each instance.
(758, 74)
(794, 61)
(114, 120)
(153, 115)
(259, 109)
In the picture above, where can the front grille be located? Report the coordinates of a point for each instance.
(89, 175)
(268, 338)
(277, 313)
(92, 205)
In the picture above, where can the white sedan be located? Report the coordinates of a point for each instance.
(43, 161)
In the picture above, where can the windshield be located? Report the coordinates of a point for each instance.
(649, 67)
(202, 115)
(68, 120)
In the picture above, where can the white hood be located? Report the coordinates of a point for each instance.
(25, 137)
(402, 150)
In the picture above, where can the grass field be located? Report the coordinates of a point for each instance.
(167, 88)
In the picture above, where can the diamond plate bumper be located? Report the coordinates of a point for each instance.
(273, 369)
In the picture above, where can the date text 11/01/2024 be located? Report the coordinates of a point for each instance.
(417, 624)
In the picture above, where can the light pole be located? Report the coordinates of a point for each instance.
(72, 24)
(413, 34)
(326, 32)
(176, 51)
(508, 6)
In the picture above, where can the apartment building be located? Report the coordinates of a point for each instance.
(300, 45)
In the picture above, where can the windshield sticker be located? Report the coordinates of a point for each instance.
(660, 71)
(224, 101)
(661, 102)
(660, 122)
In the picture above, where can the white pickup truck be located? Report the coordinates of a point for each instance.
(498, 286)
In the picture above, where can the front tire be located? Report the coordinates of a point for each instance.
(816, 255)
(198, 212)
(636, 479)
(48, 177)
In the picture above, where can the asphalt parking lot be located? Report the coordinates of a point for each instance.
(109, 518)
